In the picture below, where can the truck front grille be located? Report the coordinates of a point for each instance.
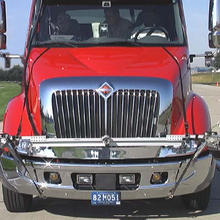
(86, 114)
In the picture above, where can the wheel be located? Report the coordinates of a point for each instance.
(197, 201)
(16, 202)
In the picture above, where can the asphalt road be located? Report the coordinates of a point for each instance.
(154, 209)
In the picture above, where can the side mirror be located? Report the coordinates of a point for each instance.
(2, 41)
(211, 44)
(216, 39)
(2, 17)
(2, 25)
(209, 59)
(214, 24)
(214, 15)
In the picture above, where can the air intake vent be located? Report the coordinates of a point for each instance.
(86, 114)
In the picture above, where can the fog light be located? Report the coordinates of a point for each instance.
(52, 177)
(84, 179)
(126, 179)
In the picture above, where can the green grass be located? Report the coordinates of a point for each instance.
(7, 91)
(206, 78)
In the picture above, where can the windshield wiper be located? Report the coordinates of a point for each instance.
(56, 44)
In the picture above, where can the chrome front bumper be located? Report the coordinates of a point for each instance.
(197, 177)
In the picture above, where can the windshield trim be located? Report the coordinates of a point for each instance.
(114, 44)
(110, 45)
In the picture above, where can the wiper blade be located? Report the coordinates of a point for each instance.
(56, 44)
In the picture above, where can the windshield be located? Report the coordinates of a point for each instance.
(116, 22)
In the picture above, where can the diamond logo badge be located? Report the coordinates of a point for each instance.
(105, 90)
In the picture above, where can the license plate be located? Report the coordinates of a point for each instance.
(106, 198)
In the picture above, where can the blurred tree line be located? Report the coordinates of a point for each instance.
(217, 60)
(13, 74)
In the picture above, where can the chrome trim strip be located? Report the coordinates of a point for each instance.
(118, 148)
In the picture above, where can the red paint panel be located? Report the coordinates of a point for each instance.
(13, 115)
(198, 117)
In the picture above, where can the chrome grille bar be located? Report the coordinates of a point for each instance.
(56, 117)
(73, 115)
(86, 114)
(89, 113)
(78, 114)
(94, 107)
(100, 116)
(138, 112)
(127, 124)
(122, 110)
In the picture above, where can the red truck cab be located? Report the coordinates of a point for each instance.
(107, 103)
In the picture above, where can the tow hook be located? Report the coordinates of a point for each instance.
(107, 141)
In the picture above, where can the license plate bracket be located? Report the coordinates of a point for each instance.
(100, 198)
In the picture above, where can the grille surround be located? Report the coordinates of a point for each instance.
(49, 86)
(86, 114)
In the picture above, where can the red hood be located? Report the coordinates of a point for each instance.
(106, 61)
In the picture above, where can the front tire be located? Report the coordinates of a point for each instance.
(197, 201)
(16, 202)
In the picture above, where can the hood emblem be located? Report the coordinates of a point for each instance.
(105, 90)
